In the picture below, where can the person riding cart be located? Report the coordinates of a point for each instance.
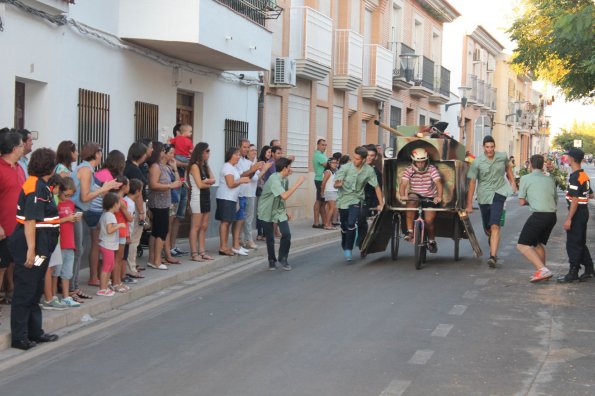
(421, 180)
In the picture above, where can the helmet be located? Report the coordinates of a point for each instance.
(419, 154)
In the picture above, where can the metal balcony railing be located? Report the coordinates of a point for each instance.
(442, 80)
(425, 75)
(257, 11)
(472, 83)
(493, 103)
(480, 92)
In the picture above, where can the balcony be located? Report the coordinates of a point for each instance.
(257, 11)
(378, 73)
(441, 93)
(402, 75)
(53, 7)
(424, 79)
(206, 33)
(311, 42)
(349, 55)
(491, 99)
(472, 83)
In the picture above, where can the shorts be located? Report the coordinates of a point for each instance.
(5, 256)
(65, 271)
(108, 259)
(241, 212)
(537, 229)
(92, 218)
(160, 223)
(330, 195)
(318, 184)
(122, 240)
(226, 210)
(491, 213)
(173, 209)
(181, 209)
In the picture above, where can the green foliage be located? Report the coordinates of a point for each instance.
(583, 131)
(555, 40)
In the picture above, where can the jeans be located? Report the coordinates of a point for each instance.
(246, 232)
(352, 218)
(285, 240)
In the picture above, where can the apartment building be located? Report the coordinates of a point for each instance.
(338, 65)
(113, 71)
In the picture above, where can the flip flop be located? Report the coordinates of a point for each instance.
(136, 276)
(171, 261)
(96, 284)
(224, 253)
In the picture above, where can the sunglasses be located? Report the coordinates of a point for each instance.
(167, 147)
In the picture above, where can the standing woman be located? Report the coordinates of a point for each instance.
(160, 186)
(65, 156)
(113, 167)
(227, 197)
(31, 245)
(265, 156)
(329, 192)
(172, 168)
(201, 179)
(86, 191)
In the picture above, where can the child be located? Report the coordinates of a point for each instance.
(123, 217)
(183, 145)
(425, 182)
(108, 240)
(134, 192)
(68, 216)
(329, 192)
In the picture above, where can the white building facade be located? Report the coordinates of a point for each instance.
(113, 71)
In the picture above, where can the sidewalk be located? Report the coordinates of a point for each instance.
(302, 235)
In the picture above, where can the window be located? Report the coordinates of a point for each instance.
(234, 132)
(397, 23)
(337, 129)
(418, 36)
(422, 120)
(94, 118)
(395, 121)
(355, 15)
(298, 130)
(146, 121)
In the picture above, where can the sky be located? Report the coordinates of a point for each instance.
(496, 17)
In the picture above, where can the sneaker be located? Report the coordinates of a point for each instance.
(285, 265)
(69, 302)
(54, 305)
(492, 262)
(250, 245)
(240, 251)
(432, 247)
(174, 253)
(128, 279)
(272, 266)
(105, 292)
(589, 273)
(409, 236)
(347, 255)
(179, 251)
(542, 274)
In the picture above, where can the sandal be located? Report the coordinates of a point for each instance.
(120, 288)
(205, 256)
(195, 256)
(76, 298)
(136, 276)
(226, 253)
(96, 283)
(330, 228)
(260, 238)
(172, 261)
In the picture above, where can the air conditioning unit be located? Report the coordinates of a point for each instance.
(284, 73)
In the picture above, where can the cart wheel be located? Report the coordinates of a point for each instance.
(419, 245)
(395, 237)
(457, 237)
(139, 251)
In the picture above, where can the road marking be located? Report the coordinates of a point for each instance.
(481, 281)
(470, 294)
(421, 356)
(458, 310)
(396, 388)
(442, 330)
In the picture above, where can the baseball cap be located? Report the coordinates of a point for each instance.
(576, 153)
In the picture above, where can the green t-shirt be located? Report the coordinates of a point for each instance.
(539, 191)
(490, 177)
(319, 161)
(271, 207)
(354, 181)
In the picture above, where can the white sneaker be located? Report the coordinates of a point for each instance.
(240, 251)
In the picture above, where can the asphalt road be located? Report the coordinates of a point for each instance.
(375, 327)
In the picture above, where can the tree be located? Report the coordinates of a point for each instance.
(584, 132)
(555, 40)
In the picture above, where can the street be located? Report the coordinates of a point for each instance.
(375, 327)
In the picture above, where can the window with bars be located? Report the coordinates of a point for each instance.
(234, 132)
(93, 118)
(146, 121)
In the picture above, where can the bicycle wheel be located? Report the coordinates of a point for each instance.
(395, 237)
(418, 244)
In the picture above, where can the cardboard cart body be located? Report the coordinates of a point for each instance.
(452, 221)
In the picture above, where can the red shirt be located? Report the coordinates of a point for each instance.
(123, 232)
(183, 145)
(65, 209)
(10, 188)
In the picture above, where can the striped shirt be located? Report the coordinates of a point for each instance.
(422, 183)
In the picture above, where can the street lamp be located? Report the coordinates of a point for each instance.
(408, 62)
(463, 94)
